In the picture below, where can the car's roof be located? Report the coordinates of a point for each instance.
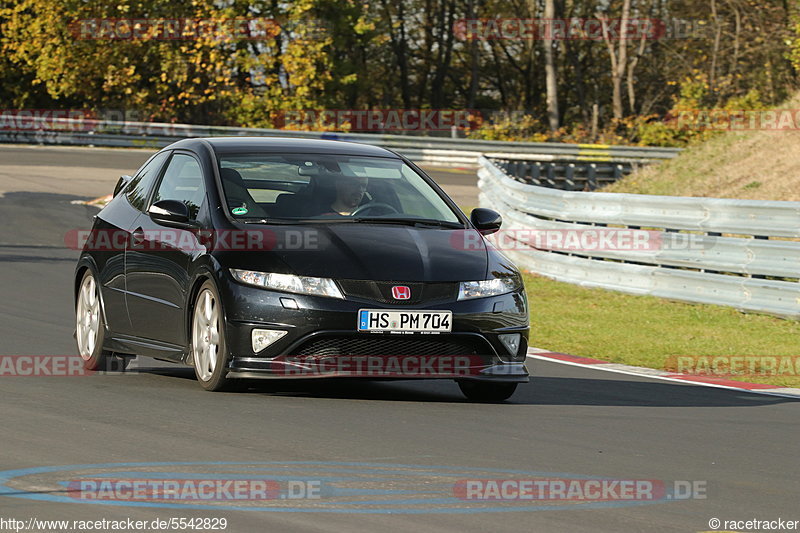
(232, 145)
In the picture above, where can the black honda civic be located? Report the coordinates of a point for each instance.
(293, 258)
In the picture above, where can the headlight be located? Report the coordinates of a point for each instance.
(289, 283)
(490, 287)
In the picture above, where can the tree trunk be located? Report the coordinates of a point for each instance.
(619, 58)
(712, 83)
(473, 61)
(631, 69)
(438, 94)
(550, 70)
(400, 47)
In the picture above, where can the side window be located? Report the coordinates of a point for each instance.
(183, 181)
(140, 185)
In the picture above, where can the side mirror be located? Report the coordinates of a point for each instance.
(170, 213)
(486, 221)
(121, 183)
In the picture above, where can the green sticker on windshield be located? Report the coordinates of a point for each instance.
(239, 210)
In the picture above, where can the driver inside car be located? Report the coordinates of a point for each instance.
(350, 192)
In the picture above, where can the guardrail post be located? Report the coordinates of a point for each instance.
(536, 173)
(551, 175)
(524, 170)
(569, 170)
(592, 176)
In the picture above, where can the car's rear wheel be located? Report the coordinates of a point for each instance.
(90, 327)
(209, 351)
(484, 391)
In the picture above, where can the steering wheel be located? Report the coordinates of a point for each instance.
(374, 205)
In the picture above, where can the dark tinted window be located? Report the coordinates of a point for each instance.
(183, 181)
(141, 184)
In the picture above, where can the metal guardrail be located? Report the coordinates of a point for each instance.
(710, 250)
(432, 150)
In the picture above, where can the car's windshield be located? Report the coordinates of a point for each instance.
(328, 188)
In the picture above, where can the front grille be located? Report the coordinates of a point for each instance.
(381, 291)
(388, 345)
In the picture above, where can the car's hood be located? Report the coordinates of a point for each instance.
(375, 252)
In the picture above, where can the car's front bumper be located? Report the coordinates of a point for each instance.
(498, 372)
(322, 340)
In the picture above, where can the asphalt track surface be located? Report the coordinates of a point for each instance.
(568, 423)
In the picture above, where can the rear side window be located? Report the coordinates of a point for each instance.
(141, 184)
(183, 181)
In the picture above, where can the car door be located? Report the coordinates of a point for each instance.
(158, 260)
(112, 230)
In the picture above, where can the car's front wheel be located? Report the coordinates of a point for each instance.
(209, 351)
(484, 391)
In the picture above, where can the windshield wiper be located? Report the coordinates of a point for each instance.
(296, 220)
(266, 221)
(419, 222)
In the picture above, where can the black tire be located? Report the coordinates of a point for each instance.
(486, 391)
(89, 321)
(210, 379)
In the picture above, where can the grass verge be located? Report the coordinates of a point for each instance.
(648, 331)
(753, 166)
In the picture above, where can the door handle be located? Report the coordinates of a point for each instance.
(137, 237)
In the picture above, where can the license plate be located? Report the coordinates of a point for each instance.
(382, 320)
